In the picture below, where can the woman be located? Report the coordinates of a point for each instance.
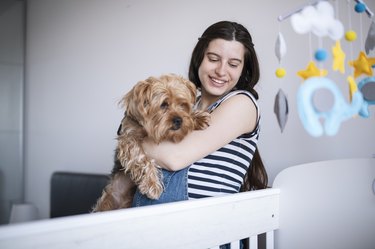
(223, 158)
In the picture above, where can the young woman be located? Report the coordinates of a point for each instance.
(223, 158)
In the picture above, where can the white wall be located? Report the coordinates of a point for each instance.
(11, 102)
(83, 55)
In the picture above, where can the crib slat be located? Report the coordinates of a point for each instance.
(253, 242)
(270, 240)
(235, 244)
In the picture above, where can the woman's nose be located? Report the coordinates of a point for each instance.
(220, 69)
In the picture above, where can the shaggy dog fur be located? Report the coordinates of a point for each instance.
(157, 108)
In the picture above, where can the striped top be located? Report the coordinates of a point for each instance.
(223, 171)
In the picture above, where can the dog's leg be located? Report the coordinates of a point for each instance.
(105, 202)
(151, 184)
(146, 175)
(144, 172)
(117, 194)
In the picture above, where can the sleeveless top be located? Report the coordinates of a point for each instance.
(223, 171)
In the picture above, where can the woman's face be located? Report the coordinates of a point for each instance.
(221, 67)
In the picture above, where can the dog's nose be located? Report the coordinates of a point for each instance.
(177, 121)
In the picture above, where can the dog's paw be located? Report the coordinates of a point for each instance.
(152, 191)
(202, 120)
(155, 193)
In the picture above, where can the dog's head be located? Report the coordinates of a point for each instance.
(162, 106)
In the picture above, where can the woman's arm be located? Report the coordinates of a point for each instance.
(234, 117)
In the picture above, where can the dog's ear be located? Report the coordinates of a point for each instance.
(191, 87)
(119, 130)
(135, 101)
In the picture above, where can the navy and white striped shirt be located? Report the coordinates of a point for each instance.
(223, 171)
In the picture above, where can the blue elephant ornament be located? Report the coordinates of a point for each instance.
(310, 116)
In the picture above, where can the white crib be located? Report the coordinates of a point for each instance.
(328, 204)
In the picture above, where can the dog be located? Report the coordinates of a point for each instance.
(158, 108)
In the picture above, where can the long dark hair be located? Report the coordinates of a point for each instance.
(256, 177)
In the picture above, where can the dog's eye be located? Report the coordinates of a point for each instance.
(185, 106)
(164, 105)
(145, 103)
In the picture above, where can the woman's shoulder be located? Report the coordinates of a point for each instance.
(231, 95)
(239, 106)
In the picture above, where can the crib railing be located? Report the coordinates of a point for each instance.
(203, 223)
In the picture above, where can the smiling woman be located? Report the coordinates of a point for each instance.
(225, 69)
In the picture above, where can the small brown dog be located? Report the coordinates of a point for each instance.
(160, 109)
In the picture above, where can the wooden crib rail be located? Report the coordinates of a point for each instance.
(203, 223)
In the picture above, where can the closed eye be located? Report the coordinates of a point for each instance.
(233, 65)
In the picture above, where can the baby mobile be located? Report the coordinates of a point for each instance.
(318, 18)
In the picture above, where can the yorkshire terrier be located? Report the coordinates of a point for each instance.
(157, 108)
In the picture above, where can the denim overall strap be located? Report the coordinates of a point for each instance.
(175, 189)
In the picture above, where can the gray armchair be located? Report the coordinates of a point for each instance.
(75, 193)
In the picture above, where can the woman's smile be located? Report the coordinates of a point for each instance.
(217, 82)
